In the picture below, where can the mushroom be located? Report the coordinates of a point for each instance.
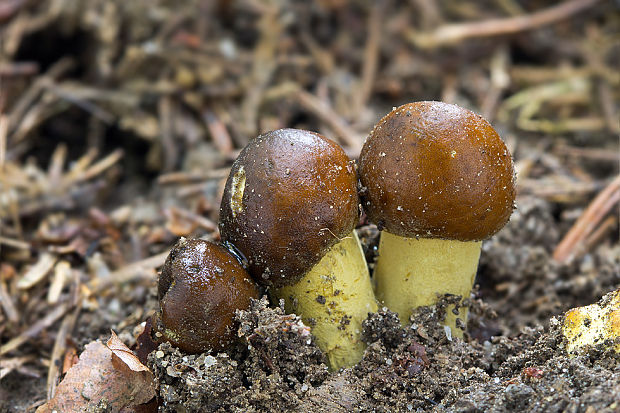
(290, 206)
(200, 287)
(437, 179)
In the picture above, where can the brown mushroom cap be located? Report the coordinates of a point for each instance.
(436, 170)
(200, 287)
(290, 196)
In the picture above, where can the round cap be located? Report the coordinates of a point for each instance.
(290, 196)
(436, 170)
(200, 287)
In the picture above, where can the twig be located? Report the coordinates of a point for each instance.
(262, 70)
(51, 317)
(37, 272)
(371, 57)
(18, 68)
(101, 166)
(60, 346)
(609, 224)
(129, 272)
(587, 222)
(169, 149)
(32, 94)
(201, 221)
(176, 178)
(327, 115)
(7, 302)
(9, 7)
(22, 245)
(601, 155)
(219, 135)
(454, 33)
(4, 128)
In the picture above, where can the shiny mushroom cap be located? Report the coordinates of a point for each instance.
(290, 196)
(436, 170)
(200, 287)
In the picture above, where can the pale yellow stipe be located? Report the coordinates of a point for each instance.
(411, 272)
(333, 298)
(593, 324)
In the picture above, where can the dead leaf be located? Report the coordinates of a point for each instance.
(124, 353)
(95, 379)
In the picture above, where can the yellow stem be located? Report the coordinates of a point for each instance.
(411, 272)
(333, 298)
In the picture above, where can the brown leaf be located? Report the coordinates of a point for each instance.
(124, 353)
(96, 378)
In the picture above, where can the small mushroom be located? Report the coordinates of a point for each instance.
(200, 287)
(594, 324)
(291, 206)
(437, 179)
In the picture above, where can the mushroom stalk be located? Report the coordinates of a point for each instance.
(411, 272)
(334, 298)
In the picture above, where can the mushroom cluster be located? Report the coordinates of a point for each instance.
(436, 178)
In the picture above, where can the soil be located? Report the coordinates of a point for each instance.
(118, 125)
(496, 368)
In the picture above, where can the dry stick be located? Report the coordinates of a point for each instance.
(608, 225)
(327, 115)
(169, 149)
(100, 166)
(36, 328)
(371, 58)
(90, 107)
(6, 301)
(182, 178)
(204, 222)
(22, 245)
(454, 33)
(602, 155)
(263, 68)
(60, 346)
(219, 134)
(129, 272)
(14, 69)
(4, 129)
(588, 221)
(28, 98)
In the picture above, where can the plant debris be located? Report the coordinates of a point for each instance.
(118, 125)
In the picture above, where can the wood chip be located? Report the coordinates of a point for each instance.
(38, 271)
